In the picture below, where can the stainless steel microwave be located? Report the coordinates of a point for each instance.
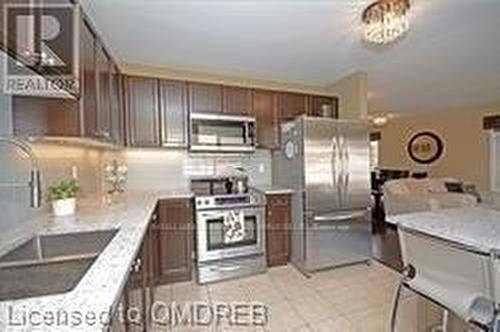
(222, 133)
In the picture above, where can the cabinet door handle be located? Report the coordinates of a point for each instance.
(137, 266)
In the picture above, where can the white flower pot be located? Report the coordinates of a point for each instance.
(64, 207)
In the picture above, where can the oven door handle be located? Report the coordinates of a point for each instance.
(217, 214)
(225, 268)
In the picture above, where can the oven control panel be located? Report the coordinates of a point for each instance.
(225, 201)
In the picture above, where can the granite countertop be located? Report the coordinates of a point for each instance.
(100, 288)
(476, 227)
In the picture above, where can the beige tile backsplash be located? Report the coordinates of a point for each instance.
(56, 163)
(172, 169)
(149, 169)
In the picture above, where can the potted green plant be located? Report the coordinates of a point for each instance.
(63, 197)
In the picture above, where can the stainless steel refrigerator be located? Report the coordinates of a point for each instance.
(326, 161)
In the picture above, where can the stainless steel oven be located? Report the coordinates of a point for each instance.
(211, 233)
(230, 230)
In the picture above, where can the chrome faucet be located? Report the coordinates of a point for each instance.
(35, 179)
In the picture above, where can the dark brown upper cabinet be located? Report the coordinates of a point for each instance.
(323, 106)
(96, 114)
(103, 93)
(39, 116)
(266, 113)
(142, 111)
(173, 113)
(88, 74)
(205, 98)
(292, 105)
(237, 101)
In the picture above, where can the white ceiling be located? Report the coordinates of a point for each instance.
(449, 60)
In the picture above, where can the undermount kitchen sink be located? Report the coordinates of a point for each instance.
(50, 264)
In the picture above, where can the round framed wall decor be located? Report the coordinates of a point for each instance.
(425, 147)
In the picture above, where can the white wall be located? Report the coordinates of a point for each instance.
(352, 91)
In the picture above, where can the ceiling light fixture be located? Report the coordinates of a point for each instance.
(380, 121)
(384, 21)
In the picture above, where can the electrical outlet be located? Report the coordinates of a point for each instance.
(262, 168)
(74, 172)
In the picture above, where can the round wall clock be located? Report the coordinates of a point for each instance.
(425, 147)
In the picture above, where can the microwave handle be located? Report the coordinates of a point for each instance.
(249, 133)
(245, 132)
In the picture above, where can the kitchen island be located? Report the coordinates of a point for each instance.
(475, 227)
(90, 304)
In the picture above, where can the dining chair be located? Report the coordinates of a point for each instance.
(461, 279)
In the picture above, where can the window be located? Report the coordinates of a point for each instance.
(374, 146)
(495, 160)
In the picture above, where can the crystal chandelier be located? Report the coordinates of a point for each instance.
(384, 21)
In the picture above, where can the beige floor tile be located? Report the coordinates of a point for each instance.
(293, 290)
(301, 328)
(355, 298)
(283, 317)
(205, 322)
(156, 328)
(380, 297)
(189, 328)
(264, 292)
(163, 292)
(193, 293)
(218, 286)
(339, 324)
(286, 274)
(324, 281)
(372, 320)
(314, 308)
(259, 279)
(347, 300)
(229, 295)
(233, 328)
(293, 285)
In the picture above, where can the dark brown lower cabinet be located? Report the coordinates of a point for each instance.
(278, 227)
(133, 312)
(118, 319)
(164, 257)
(174, 236)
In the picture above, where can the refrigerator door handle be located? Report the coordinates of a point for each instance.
(341, 176)
(347, 159)
(340, 216)
(334, 161)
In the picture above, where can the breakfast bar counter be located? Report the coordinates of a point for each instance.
(477, 228)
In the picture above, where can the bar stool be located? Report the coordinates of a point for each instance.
(458, 278)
